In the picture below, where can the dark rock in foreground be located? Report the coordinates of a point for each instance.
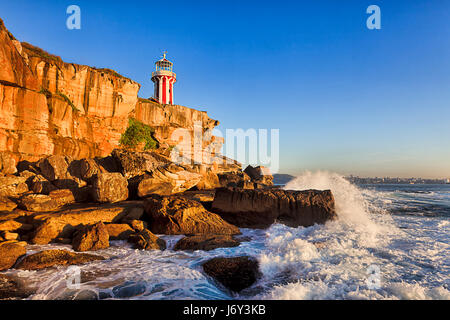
(50, 258)
(261, 208)
(206, 242)
(13, 288)
(235, 274)
(178, 215)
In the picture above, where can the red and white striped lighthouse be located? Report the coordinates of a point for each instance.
(164, 78)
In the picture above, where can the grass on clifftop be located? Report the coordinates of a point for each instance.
(34, 51)
(136, 133)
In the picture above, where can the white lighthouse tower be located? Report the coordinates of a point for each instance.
(164, 78)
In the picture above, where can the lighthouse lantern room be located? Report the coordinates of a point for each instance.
(164, 78)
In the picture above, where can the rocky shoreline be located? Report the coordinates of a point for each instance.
(67, 178)
(135, 196)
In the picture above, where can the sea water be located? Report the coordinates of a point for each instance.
(389, 242)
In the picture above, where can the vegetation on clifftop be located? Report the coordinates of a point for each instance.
(34, 51)
(136, 133)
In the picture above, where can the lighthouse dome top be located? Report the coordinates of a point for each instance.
(164, 64)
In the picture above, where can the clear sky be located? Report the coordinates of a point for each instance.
(345, 98)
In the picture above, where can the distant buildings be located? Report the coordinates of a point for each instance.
(389, 180)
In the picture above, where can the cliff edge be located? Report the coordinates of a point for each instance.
(50, 107)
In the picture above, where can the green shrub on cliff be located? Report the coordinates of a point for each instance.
(66, 98)
(136, 133)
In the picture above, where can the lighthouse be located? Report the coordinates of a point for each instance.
(164, 78)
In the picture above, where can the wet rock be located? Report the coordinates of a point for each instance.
(145, 240)
(206, 242)
(9, 253)
(119, 231)
(13, 288)
(50, 258)
(235, 273)
(109, 187)
(129, 289)
(261, 208)
(178, 215)
(91, 238)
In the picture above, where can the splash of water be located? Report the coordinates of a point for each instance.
(351, 206)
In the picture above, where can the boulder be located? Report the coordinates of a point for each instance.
(50, 258)
(178, 215)
(237, 179)
(11, 186)
(89, 168)
(7, 164)
(134, 214)
(167, 180)
(118, 231)
(62, 197)
(6, 204)
(91, 237)
(109, 187)
(27, 174)
(51, 226)
(9, 253)
(235, 273)
(55, 167)
(38, 184)
(209, 180)
(10, 225)
(137, 163)
(145, 240)
(260, 175)
(206, 242)
(38, 203)
(138, 225)
(8, 236)
(261, 208)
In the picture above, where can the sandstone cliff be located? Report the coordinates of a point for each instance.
(49, 107)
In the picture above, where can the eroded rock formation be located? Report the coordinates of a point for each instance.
(50, 107)
(261, 208)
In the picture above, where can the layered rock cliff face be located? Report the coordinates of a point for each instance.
(49, 107)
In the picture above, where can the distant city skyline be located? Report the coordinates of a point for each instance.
(345, 99)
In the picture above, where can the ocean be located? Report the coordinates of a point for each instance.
(389, 242)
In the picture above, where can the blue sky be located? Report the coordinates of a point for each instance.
(345, 98)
